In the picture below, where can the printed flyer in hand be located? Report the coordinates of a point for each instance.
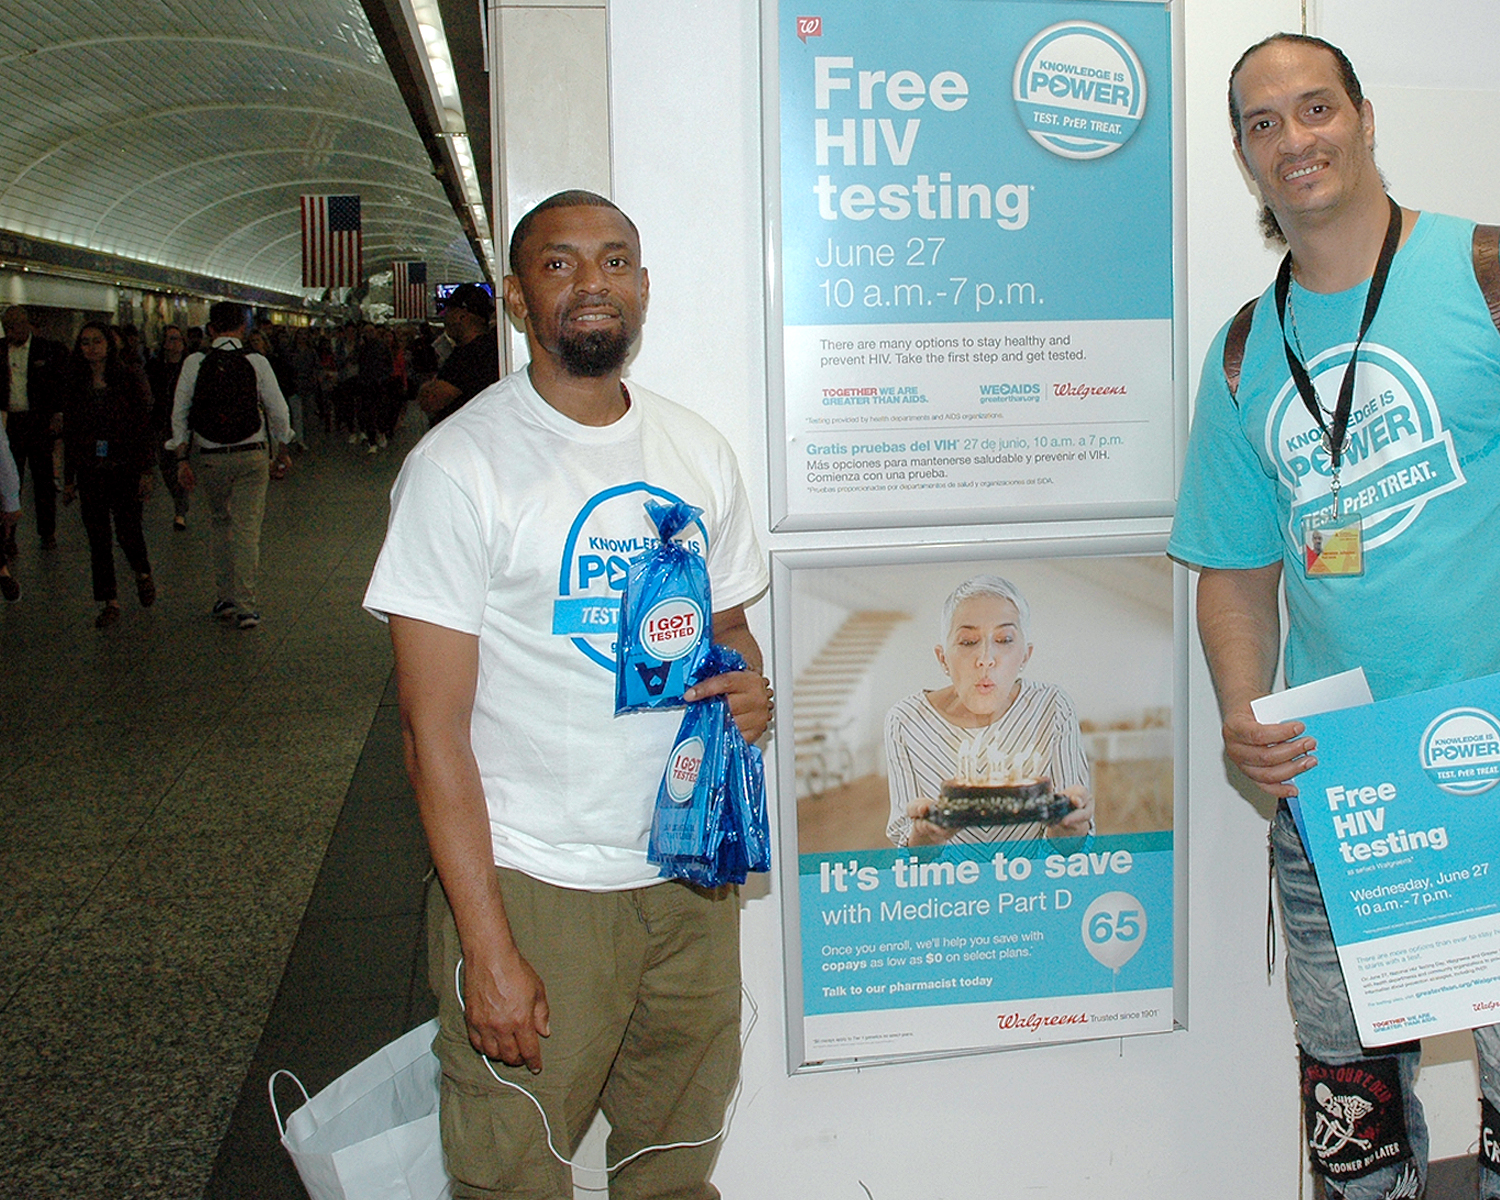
(1401, 818)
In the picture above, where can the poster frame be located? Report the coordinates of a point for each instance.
(782, 518)
(785, 565)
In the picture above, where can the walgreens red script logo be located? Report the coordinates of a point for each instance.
(1089, 389)
(1035, 1021)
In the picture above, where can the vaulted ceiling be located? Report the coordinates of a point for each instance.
(182, 133)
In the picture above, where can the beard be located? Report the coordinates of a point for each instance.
(591, 355)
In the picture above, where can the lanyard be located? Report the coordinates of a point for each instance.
(1333, 439)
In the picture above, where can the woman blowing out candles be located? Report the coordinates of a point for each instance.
(990, 735)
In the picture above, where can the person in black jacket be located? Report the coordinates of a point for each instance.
(29, 398)
(107, 461)
(162, 371)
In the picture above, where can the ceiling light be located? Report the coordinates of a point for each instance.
(426, 23)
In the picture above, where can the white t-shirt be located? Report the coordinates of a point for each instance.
(511, 522)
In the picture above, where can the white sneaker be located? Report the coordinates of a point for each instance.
(353, 438)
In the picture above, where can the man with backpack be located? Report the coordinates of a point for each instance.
(229, 416)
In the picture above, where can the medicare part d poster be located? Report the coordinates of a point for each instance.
(1001, 936)
(1401, 818)
(976, 261)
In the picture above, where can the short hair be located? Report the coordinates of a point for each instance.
(1347, 78)
(572, 198)
(226, 316)
(985, 585)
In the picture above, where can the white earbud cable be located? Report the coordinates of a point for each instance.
(547, 1125)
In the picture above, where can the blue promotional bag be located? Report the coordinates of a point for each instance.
(666, 617)
(710, 826)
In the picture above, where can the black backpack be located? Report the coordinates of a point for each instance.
(226, 397)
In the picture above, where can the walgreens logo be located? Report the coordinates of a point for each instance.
(1089, 389)
(1035, 1021)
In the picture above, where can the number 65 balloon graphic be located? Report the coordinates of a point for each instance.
(1114, 926)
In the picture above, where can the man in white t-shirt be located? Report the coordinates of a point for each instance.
(550, 936)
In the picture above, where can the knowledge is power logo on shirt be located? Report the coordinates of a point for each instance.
(611, 529)
(1398, 454)
(1461, 751)
(1080, 89)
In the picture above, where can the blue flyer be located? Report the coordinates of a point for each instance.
(1401, 818)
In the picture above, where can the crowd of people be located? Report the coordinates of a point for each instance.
(95, 423)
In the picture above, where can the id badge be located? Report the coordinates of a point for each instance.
(1336, 548)
(101, 449)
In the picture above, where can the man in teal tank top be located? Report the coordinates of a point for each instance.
(1385, 548)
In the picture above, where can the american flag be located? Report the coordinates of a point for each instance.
(332, 242)
(409, 288)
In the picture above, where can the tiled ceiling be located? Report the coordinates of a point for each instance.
(181, 134)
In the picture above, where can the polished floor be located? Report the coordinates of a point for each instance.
(168, 791)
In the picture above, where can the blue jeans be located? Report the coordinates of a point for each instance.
(1326, 1030)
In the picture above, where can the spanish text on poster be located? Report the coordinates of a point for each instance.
(1401, 817)
(976, 261)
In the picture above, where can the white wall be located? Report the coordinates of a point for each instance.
(1207, 1110)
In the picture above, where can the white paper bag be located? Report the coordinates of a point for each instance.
(372, 1134)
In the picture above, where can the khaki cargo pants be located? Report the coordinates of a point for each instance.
(644, 991)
